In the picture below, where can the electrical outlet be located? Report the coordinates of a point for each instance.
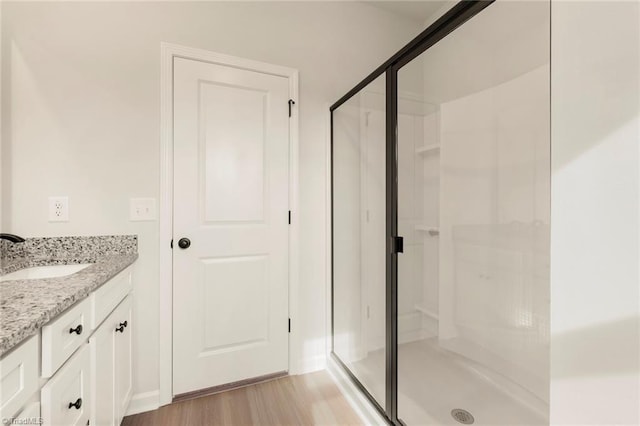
(142, 209)
(58, 209)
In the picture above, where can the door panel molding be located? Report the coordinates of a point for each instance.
(168, 52)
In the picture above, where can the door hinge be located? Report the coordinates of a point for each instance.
(397, 245)
(289, 217)
(289, 325)
(291, 102)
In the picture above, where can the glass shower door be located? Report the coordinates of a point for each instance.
(359, 220)
(473, 207)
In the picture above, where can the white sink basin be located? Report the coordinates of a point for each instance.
(38, 272)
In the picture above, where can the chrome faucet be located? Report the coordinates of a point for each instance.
(12, 238)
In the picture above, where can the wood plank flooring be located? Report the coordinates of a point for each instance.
(308, 399)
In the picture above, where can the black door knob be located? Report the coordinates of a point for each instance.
(184, 243)
(76, 404)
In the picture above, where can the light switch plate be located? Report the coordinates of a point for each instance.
(142, 209)
(58, 209)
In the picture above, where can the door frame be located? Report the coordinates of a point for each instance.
(168, 51)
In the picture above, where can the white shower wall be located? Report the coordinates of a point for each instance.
(475, 269)
(494, 242)
(411, 114)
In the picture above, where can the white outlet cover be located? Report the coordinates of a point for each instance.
(58, 209)
(142, 209)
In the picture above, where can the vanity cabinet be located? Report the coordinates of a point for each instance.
(78, 369)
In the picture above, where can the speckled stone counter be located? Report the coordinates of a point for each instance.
(27, 305)
(43, 251)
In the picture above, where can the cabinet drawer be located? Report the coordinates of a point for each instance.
(66, 398)
(62, 336)
(18, 377)
(108, 296)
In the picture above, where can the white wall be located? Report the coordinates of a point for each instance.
(595, 306)
(80, 117)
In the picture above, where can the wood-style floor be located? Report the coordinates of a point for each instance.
(309, 399)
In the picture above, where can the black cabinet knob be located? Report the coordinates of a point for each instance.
(77, 330)
(124, 324)
(184, 243)
(121, 328)
(76, 404)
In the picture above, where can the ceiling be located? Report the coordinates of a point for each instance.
(417, 11)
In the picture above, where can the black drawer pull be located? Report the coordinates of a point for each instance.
(76, 404)
(124, 324)
(120, 329)
(77, 330)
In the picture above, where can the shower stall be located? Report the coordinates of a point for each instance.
(440, 222)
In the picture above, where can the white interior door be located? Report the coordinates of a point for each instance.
(231, 200)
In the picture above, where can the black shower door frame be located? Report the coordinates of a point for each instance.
(454, 18)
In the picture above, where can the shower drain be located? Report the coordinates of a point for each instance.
(462, 416)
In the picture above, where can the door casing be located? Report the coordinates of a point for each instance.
(167, 52)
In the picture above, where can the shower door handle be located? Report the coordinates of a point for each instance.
(397, 245)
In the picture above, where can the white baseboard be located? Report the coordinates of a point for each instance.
(360, 404)
(310, 365)
(144, 401)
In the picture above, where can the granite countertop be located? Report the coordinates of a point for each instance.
(27, 305)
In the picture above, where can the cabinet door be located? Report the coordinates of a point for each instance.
(102, 368)
(18, 377)
(66, 398)
(123, 358)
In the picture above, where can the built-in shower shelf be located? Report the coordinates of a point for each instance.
(427, 149)
(428, 312)
(431, 230)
